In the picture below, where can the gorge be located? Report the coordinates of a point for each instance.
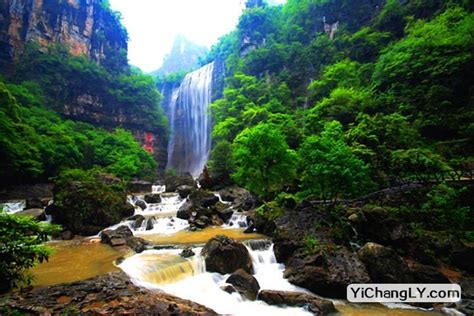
(321, 143)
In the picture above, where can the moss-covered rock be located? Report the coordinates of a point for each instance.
(87, 202)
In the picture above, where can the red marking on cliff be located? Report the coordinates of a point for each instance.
(149, 138)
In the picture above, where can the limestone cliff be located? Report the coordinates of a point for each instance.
(85, 27)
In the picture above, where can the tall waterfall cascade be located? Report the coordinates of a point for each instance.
(190, 122)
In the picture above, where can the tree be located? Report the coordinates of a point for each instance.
(220, 163)
(262, 159)
(328, 167)
(21, 248)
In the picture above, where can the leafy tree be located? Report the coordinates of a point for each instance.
(262, 159)
(328, 166)
(21, 248)
(417, 162)
(220, 163)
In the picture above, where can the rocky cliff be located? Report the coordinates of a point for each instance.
(85, 27)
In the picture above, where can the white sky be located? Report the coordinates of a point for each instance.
(153, 24)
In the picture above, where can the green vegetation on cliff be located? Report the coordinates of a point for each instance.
(368, 93)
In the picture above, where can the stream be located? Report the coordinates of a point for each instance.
(162, 267)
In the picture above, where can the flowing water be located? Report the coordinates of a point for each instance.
(190, 122)
(166, 270)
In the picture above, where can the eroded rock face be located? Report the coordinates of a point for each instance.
(315, 305)
(74, 24)
(111, 294)
(123, 236)
(224, 255)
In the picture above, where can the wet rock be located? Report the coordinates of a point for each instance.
(141, 204)
(37, 213)
(228, 288)
(137, 244)
(184, 190)
(201, 222)
(149, 223)
(152, 198)
(173, 182)
(116, 242)
(206, 181)
(244, 283)
(224, 255)
(225, 214)
(122, 232)
(204, 199)
(261, 224)
(184, 211)
(259, 244)
(138, 220)
(112, 294)
(314, 304)
(187, 253)
(384, 264)
(326, 275)
(242, 200)
(139, 186)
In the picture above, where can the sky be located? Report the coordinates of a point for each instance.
(153, 24)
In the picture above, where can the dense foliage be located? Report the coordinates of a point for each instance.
(21, 247)
(393, 80)
(37, 144)
(85, 202)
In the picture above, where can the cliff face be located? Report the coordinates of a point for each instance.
(85, 27)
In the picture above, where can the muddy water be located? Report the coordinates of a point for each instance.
(76, 261)
(184, 237)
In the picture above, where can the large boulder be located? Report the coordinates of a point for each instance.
(314, 304)
(141, 204)
(241, 199)
(123, 236)
(224, 255)
(173, 182)
(139, 186)
(326, 274)
(203, 199)
(185, 211)
(384, 264)
(244, 283)
(86, 202)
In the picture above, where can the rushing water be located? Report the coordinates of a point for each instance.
(190, 122)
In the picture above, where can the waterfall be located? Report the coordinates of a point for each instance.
(190, 122)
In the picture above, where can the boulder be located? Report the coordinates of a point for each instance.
(184, 190)
(116, 242)
(66, 235)
(327, 275)
(245, 284)
(149, 223)
(314, 304)
(122, 232)
(34, 203)
(184, 211)
(152, 198)
(37, 213)
(225, 214)
(206, 181)
(224, 255)
(422, 273)
(139, 186)
(173, 182)
(136, 244)
(384, 264)
(228, 288)
(141, 204)
(137, 220)
(204, 199)
(241, 199)
(187, 252)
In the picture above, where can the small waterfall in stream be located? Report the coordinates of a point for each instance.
(190, 122)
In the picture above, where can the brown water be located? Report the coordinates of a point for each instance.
(379, 310)
(75, 261)
(199, 237)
